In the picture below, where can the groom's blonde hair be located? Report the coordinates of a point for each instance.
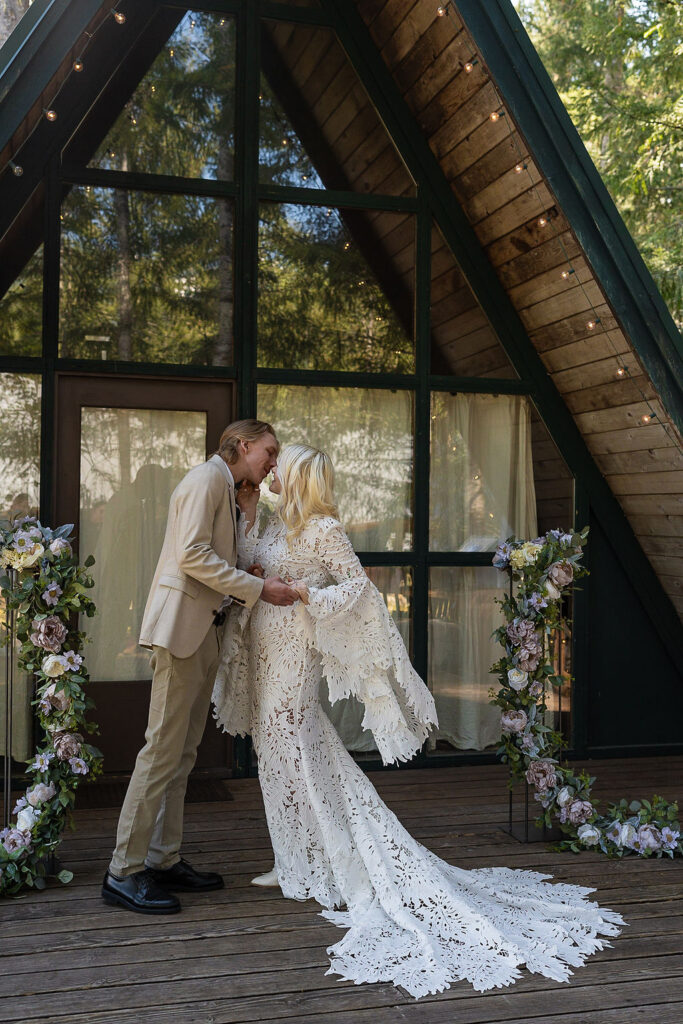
(241, 430)
(307, 478)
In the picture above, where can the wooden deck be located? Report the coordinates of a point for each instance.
(245, 954)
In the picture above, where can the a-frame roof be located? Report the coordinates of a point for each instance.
(436, 81)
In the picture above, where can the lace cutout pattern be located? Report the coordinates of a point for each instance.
(411, 918)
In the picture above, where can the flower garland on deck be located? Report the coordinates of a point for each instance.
(542, 569)
(43, 585)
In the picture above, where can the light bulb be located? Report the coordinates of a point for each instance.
(542, 221)
(591, 324)
(441, 10)
(469, 66)
(519, 168)
(17, 169)
(51, 115)
(494, 115)
(645, 418)
(78, 65)
(119, 17)
(565, 275)
(621, 370)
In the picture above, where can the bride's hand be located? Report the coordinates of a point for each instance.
(257, 570)
(301, 589)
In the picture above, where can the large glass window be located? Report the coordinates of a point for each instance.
(368, 434)
(336, 289)
(21, 311)
(131, 460)
(180, 119)
(20, 475)
(462, 615)
(481, 471)
(146, 277)
(317, 125)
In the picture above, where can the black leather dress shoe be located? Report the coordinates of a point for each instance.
(139, 892)
(182, 877)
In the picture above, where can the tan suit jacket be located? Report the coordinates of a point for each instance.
(196, 567)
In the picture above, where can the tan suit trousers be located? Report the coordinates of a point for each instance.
(150, 829)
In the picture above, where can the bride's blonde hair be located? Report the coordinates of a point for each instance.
(307, 478)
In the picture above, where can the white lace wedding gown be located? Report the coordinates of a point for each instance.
(412, 918)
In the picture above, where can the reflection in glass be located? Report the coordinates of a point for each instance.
(330, 294)
(21, 311)
(180, 119)
(462, 616)
(463, 341)
(131, 460)
(19, 445)
(20, 476)
(316, 118)
(368, 435)
(481, 471)
(146, 277)
(395, 585)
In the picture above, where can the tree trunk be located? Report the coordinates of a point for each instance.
(223, 349)
(122, 214)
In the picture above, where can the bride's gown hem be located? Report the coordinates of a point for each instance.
(411, 918)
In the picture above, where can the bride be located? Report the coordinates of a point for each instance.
(412, 918)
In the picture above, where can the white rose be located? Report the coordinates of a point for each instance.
(27, 818)
(589, 835)
(531, 552)
(627, 835)
(59, 545)
(517, 679)
(54, 666)
(40, 793)
(31, 557)
(551, 591)
(564, 796)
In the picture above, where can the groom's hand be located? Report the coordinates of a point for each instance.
(275, 591)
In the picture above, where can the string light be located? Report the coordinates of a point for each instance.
(592, 324)
(442, 10)
(647, 417)
(51, 115)
(171, 52)
(566, 274)
(119, 16)
(494, 115)
(519, 168)
(542, 221)
(621, 370)
(17, 169)
(469, 65)
(78, 65)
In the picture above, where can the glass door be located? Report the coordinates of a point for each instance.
(121, 447)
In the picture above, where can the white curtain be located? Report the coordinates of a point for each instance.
(481, 491)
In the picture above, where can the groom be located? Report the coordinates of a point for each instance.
(194, 577)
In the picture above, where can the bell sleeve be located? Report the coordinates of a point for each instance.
(363, 654)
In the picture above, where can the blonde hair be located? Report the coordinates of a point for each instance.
(241, 430)
(307, 478)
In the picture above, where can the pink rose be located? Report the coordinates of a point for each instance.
(513, 721)
(541, 775)
(577, 812)
(561, 573)
(57, 699)
(49, 633)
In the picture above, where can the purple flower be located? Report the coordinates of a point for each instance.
(52, 594)
(669, 837)
(78, 766)
(501, 558)
(537, 601)
(20, 804)
(42, 762)
(73, 660)
(535, 689)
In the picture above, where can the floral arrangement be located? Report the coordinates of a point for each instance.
(540, 572)
(43, 584)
